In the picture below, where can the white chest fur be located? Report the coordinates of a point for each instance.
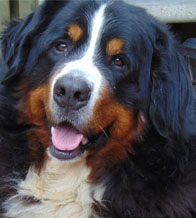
(62, 189)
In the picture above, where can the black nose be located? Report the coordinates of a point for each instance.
(71, 92)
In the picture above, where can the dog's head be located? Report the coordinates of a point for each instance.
(92, 77)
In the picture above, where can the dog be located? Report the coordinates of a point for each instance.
(97, 115)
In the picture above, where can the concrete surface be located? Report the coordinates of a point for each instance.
(169, 11)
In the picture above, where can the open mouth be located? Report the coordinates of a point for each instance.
(69, 143)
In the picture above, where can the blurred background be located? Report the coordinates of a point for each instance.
(181, 14)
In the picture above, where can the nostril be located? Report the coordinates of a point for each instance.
(78, 95)
(60, 91)
(60, 95)
(83, 95)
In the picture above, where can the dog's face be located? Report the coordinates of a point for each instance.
(91, 75)
(81, 101)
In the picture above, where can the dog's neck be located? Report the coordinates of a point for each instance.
(60, 189)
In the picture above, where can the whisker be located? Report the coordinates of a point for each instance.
(103, 130)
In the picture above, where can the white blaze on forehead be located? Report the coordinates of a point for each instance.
(96, 30)
(84, 67)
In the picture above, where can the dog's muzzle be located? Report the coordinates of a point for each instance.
(71, 95)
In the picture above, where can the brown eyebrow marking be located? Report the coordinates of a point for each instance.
(75, 32)
(114, 46)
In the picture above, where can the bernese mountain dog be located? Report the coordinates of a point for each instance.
(97, 115)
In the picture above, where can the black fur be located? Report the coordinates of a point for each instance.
(159, 179)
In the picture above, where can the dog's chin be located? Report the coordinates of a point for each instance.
(70, 143)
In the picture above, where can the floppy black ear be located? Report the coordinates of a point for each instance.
(171, 91)
(17, 39)
(14, 48)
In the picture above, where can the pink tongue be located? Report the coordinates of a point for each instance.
(67, 139)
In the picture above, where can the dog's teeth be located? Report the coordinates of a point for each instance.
(52, 129)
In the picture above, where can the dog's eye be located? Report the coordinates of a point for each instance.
(61, 47)
(118, 62)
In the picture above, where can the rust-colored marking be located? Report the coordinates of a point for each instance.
(125, 128)
(33, 111)
(108, 111)
(33, 105)
(75, 32)
(113, 153)
(114, 47)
